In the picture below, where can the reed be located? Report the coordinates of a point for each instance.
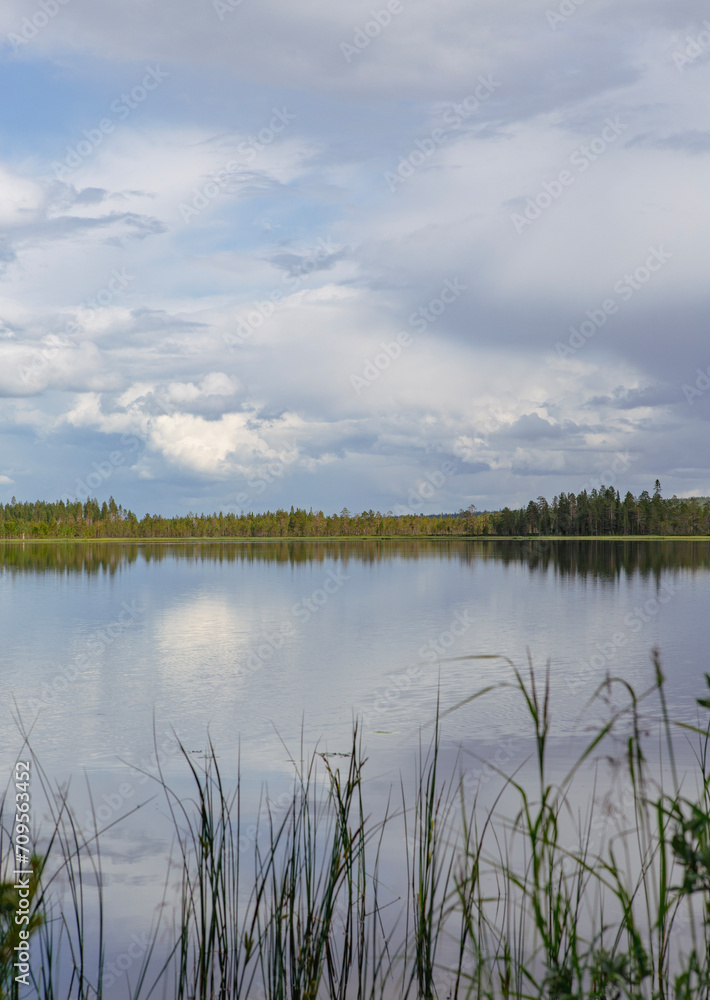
(530, 895)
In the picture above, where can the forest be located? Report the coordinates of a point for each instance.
(600, 512)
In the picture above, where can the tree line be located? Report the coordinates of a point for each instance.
(596, 513)
(603, 512)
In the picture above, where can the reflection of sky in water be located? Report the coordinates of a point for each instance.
(252, 649)
(265, 654)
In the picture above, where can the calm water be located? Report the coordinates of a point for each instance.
(109, 648)
(254, 639)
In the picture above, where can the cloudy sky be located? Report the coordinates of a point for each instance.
(408, 255)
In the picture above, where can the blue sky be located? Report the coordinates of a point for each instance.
(404, 256)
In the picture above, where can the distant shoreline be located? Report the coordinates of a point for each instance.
(361, 538)
(599, 514)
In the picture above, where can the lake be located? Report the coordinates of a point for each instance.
(111, 652)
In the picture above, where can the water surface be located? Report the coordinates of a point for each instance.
(255, 639)
(111, 652)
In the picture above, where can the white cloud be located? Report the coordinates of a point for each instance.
(162, 253)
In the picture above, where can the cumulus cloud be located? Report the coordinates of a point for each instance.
(364, 247)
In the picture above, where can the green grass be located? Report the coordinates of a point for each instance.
(529, 895)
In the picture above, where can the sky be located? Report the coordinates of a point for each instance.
(397, 255)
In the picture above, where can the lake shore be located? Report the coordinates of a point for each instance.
(167, 539)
